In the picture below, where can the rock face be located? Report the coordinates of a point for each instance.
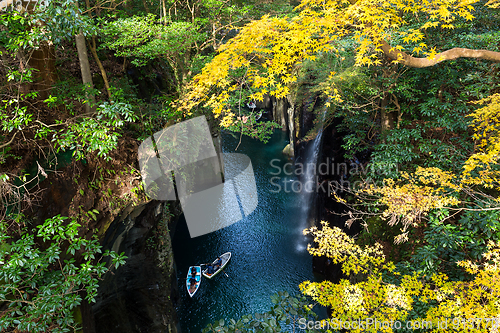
(283, 112)
(280, 112)
(288, 150)
(291, 125)
(266, 103)
(278, 107)
(137, 297)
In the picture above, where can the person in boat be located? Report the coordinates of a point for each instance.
(218, 263)
(192, 285)
(210, 269)
(258, 116)
(193, 271)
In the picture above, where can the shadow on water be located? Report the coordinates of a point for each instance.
(268, 247)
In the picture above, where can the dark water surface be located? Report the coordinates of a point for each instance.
(268, 247)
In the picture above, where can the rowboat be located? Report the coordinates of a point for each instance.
(259, 115)
(224, 260)
(193, 281)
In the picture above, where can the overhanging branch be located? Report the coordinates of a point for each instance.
(455, 53)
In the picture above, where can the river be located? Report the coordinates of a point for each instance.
(268, 248)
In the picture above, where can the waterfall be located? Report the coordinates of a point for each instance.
(309, 180)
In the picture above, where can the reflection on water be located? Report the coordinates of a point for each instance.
(268, 248)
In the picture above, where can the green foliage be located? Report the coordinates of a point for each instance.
(284, 316)
(51, 20)
(40, 279)
(83, 134)
(153, 119)
(432, 129)
(261, 131)
(144, 38)
(357, 87)
(19, 117)
(97, 134)
(447, 243)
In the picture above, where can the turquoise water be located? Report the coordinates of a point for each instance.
(268, 247)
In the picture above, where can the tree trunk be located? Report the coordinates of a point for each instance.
(44, 61)
(455, 53)
(386, 117)
(101, 67)
(164, 12)
(93, 49)
(146, 8)
(4, 64)
(85, 68)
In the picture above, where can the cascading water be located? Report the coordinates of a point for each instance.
(309, 181)
(266, 256)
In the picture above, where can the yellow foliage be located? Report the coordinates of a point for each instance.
(493, 3)
(228, 120)
(482, 167)
(338, 246)
(459, 304)
(265, 54)
(425, 190)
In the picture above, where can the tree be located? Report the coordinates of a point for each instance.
(408, 199)
(23, 113)
(41, 279)
(444, 211)
(85, 67)
(184, 36)
(264, 56)
(144, 39)
(387, 297)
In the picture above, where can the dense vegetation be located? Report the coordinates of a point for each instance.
(401, 76)
(81, 84)
(415, 84)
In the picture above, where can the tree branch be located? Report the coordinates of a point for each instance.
(8, 143)
(455, 53)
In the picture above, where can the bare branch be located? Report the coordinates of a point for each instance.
(455, 53)
(8, 143)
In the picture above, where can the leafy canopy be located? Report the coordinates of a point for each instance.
(40, 285)
(144, 38)
(264, 56)
(383, 291)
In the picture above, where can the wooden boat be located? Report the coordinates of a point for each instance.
(258, 116)
(193, 287)
(224, 261)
